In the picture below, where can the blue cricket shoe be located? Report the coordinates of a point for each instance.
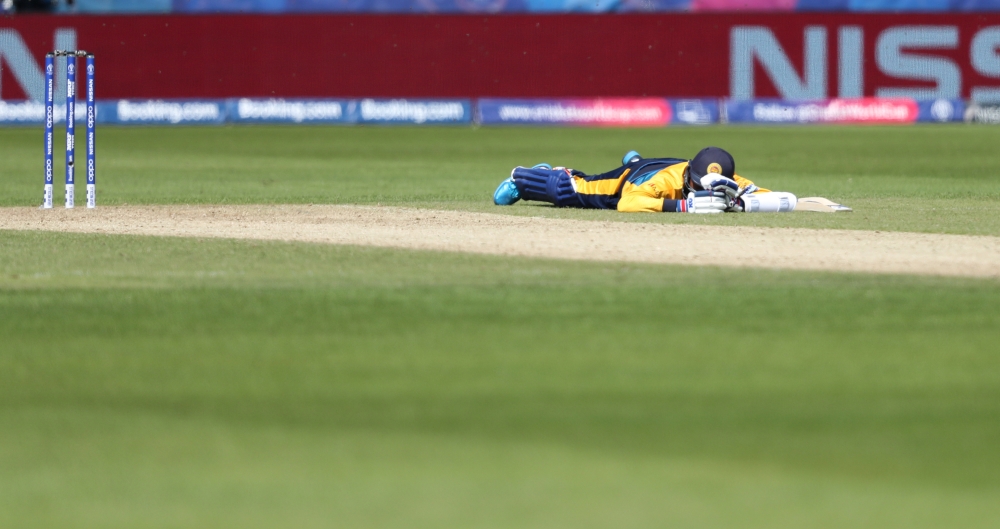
(506, 193)
(630, 157)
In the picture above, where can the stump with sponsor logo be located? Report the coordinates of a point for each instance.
(71, 93)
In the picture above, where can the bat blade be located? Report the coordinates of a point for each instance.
(821, 205)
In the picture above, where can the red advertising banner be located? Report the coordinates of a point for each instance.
(791, 56)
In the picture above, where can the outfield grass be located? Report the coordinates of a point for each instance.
(150, 382)
(941, 178)
(162, 382)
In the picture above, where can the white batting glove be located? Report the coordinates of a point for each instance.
(737, 204)
(707, 202)
(717, 182)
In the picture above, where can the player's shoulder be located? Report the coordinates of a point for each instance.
(665, 161)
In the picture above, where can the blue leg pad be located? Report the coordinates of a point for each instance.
(546, 185)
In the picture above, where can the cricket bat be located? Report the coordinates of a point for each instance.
(820, 204)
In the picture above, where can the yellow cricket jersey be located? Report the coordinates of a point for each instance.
(643, 192)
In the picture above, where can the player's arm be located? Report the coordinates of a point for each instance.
(743, 182)
(654, 196)
(635, 202)
(707, 203)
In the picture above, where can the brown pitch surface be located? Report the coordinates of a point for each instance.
(484, 233)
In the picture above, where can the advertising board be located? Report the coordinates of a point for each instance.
(247, 110)
(791, 56)
(989, 114)
(648, 112)
(868, 110)
(160, 112)
(401, 111)
(278, 110)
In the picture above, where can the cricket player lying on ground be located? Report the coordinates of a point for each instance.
(706, 184)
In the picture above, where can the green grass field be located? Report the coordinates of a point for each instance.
(941, 178)
(166, 382)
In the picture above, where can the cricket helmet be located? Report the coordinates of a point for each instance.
(708, 160)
